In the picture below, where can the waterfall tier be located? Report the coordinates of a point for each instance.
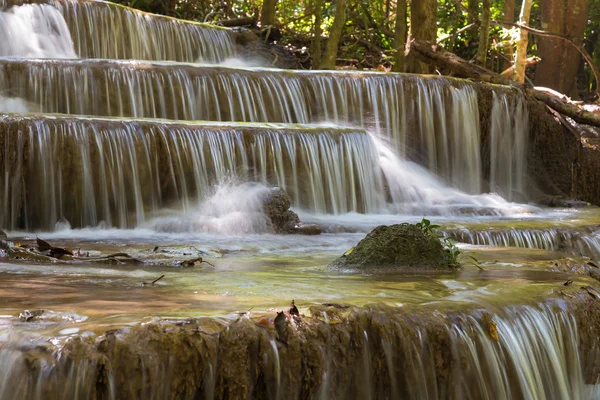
(379, 352)
(431, 120)
(101, 29)
(93, 170)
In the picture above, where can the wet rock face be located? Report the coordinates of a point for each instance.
(379, 352)
(395, 247)
(276, 206)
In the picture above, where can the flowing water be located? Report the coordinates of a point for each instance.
(120, 134)
(431, 120)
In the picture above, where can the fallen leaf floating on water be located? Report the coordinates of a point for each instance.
(193, 261)
(55, 252)
(493, 329)
(567, 283)
(42, 244)
(293, 309)
(27, 315)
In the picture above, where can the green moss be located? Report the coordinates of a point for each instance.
(402, 246)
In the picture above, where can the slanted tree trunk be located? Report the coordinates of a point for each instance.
(484, 33)
(521, 48)
(317, 32)
(509, 16)
(423, 26)
(267, 14)
(560, 61)
(400, 36)
(335, 35)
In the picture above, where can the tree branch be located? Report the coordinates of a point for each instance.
(579, 48)
(436, 55)
(540, 32)
(458, 32)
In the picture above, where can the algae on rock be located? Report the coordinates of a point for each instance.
(396, 247)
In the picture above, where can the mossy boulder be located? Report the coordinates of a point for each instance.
(396, 248)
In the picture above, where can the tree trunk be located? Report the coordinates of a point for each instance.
(484, 33)
(509, 16)
(560, 61)
(267, 14)
(521, 48)
(473, 11)
(400, 36)
(423, 26)
(335, 35)
(317, 32)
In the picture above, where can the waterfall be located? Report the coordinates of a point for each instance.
(508, 141)
(35, 31)
(518, 352)
(105, 30)
(118, 172)
(584, 242)
(93, 170)
(431, 120)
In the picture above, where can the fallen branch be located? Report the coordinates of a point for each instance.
(530, 61)
(436, 55)
(153, 282)
(242, 21)
(193, 261)
(570, 110)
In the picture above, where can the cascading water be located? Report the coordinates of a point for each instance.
(580, 242)
(508, 140)
(105, 30)
(391, 147)
(117, 172)
(405, 356)
(35, 31)
(433, 121)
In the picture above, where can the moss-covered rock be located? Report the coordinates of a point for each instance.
(395, 247)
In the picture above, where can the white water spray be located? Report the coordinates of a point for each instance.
(35, 31)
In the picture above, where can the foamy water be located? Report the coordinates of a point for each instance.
(35, 31)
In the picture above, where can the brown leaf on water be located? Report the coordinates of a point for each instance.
(567, 283)
(493, 329)
(55, 252)
(265, 322)
(293, 309)
(42, 244)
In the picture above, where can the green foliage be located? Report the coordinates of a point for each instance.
(457, 257)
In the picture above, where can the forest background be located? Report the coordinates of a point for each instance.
(557, 50)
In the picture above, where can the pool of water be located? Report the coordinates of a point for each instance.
(263, 273)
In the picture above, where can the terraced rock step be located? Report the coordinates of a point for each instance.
(435, 121)
(102, 29)
(89, 170)
(579, 236)
(352, 353)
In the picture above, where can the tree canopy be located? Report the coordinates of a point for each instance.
(372, 34)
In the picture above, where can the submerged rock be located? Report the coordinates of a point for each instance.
(276, 207)
(395, 247)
